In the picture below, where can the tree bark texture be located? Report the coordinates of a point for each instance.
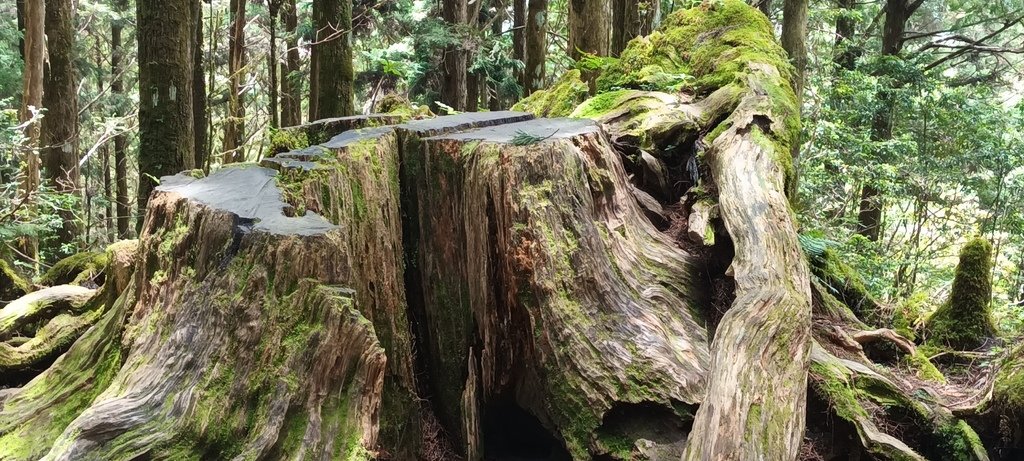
(274, 8)
(291, 93)
(234, 125)
(166, 141)
(631, 19)
(590, 28)
(332, 71)
(536, 46)
(202, 148)
(455, 59)
(519, 8)
(121, 201)
(59, 129)
(32, 88)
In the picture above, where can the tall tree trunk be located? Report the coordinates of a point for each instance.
(20, 7)
(166, 143)
(291, 92)
(519, 37)
(59, 131)
(493, 96)
(108, 192)
(121, 199)
(794, 40)
(274, 8)
(234, 127)
(332, 77)
(454, 61)
(473, 79)
(536, 46)
(202, 149)
(765, 6)
(590, 27)
(32, 99)
(897, 12)
(631, 19)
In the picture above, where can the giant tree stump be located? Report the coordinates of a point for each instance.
(487, 286)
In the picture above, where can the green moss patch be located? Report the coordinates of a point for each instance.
(559, 100)
(964, 322)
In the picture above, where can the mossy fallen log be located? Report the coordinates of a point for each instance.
(77, 269)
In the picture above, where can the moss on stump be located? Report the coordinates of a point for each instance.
(964, 322)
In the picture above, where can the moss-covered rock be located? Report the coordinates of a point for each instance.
(282, 141)
(964, 322)
(558, 101)
(85, 267)
(396, 104)
(12, 285)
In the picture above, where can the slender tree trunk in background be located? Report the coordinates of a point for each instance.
(121, 200)
(32, 97)
(332, 77)
(166, 143)
(108, 190)
(454, 62)
(59, 131)
(202, 149)
(794, 41)
(519, 37)
(869, 219)
(234, 126)
(20, 6)
(274, 8)
(493, 96)
(473, 79)
(536, 46)
(291, 91)
(846, 53)
(589, 27)
(631, 19)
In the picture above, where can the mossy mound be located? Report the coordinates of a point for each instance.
(964, 322)
(707, 47)
(12, 285)
(76, 269)
(558, 101)
(396, 104)
(282, 141)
